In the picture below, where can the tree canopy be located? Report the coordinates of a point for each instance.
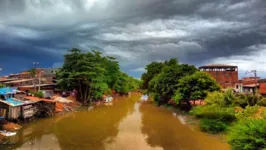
(195, 87)
(91, 74)
(170, 79)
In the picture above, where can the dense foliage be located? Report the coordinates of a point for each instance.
(212, 126)
(243, 115)
(171, 80)
(215, 112)
(152, 70)
(195, 87)
(248, 135)
(92, 74)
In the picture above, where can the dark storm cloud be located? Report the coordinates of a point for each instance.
(136, 32)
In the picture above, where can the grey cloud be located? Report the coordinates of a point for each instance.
(136, 32)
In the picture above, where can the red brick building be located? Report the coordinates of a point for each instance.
(225, 75)
(262, 86)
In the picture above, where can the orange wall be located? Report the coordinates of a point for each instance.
(262, 88)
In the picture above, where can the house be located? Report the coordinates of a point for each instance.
(225, 75)
(20, 82)
(12, 108)
(248, 84)
(43, 87)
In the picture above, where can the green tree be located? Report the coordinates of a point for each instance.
(82, 71)
(194, 87)
(92, 75)
(153, 69)
(165, 84)
(112, 70)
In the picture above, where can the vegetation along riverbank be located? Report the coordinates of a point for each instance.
(241, 116)
(88, 77)
(93, 75)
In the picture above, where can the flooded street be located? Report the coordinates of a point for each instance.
(127, 124)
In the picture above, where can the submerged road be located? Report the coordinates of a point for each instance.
(125, 124)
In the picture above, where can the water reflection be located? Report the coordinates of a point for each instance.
(166, 131)
(129, 136)
(87, 129)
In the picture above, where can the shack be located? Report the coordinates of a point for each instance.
(12, 108)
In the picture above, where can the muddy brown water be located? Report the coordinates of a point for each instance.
(126, 124)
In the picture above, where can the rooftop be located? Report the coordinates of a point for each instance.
(18, 81)
(37, 85)
(262, 80)
(37, 99)
(25, 73)
(217, 66)
(6, 80)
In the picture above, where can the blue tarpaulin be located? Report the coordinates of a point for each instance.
(7, 90)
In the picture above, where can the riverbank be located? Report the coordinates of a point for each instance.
(190, 120)
(127, 120)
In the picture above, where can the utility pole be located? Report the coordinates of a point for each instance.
(40, 81)
(34, 79)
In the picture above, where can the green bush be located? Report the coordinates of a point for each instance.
(248, 135)
(212, 126)
(249, 111)
(241, 100)
(214, 112)
(38, 94)
(229, 97)
(2, 85)
(215, 98)
(108, 92)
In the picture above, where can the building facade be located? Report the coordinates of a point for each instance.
(262, 86)
(225, 75)
(248, 84)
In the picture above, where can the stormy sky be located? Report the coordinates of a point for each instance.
(136, 32)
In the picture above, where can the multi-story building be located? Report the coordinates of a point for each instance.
(48, 75)
(225, 75)
(25, 75)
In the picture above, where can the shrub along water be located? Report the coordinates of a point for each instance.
(213, 125)
(214, 119)
(240, 114)
(248, 135)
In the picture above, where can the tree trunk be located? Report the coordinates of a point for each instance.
(89, 96)
(80, 91)
(188, 104)
(86, 94)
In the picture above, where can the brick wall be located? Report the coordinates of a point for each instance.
(262, 89)
(225, 78)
